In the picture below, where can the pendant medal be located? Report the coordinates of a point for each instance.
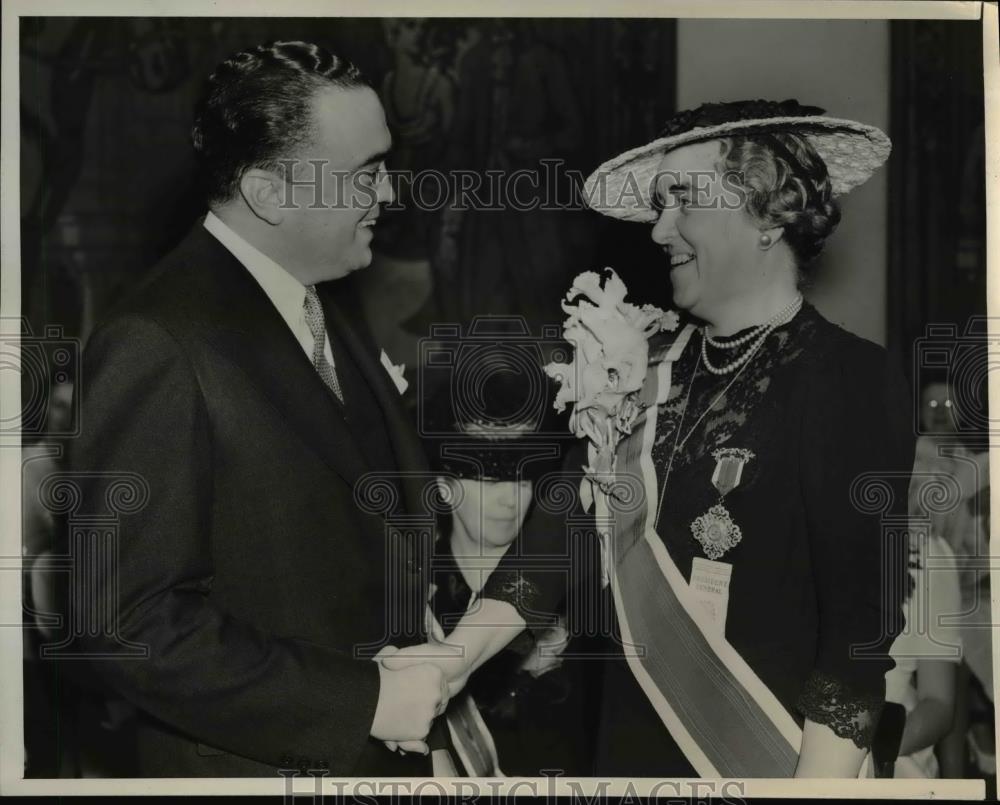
(715, 530)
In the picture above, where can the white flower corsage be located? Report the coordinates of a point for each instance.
(611, 354)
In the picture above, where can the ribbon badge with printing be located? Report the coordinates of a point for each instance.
(715, 529)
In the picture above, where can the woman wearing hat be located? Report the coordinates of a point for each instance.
(755, 593)
(498, 584)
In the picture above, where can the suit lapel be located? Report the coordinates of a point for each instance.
(408, 451)
(247, 328)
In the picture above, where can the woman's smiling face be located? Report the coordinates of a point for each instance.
(704, 229)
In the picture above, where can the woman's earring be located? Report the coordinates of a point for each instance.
(765, 240)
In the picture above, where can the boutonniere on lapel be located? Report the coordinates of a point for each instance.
(395, 372)
(715, 529)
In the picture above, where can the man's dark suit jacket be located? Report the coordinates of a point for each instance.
(252, 573)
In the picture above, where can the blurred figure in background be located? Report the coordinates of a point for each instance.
(926, 653)
(962, 525)
(74, 729)
(41, 456)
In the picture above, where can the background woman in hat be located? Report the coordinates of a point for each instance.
(756, 579)
(500, 621)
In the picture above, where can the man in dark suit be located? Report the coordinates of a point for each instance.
(237, 385)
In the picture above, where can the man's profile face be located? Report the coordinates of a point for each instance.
(341, 183)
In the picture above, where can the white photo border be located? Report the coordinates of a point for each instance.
(12, 781)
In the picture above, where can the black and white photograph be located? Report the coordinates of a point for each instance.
(555, 400)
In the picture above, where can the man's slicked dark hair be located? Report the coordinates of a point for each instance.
(256, 109)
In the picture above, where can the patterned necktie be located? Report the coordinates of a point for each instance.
(317, 326)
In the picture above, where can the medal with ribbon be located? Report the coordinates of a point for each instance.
(715, 529)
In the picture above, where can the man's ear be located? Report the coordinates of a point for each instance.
(263, 193)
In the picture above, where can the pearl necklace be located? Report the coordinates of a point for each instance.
(756, 335)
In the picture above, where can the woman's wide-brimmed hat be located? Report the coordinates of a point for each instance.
(852, 151)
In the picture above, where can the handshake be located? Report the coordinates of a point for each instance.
(417, 681)
(415, 685)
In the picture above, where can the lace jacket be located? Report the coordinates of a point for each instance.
(813, 602)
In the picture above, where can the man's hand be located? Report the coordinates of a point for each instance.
(408, 702)
(452, 661)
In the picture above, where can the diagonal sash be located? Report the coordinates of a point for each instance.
(723, 717)
(471, 738)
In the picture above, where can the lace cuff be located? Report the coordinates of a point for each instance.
(516, 589)
(826, 700)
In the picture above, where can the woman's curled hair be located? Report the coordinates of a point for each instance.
(786, 184)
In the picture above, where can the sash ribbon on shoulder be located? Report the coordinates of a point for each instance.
(723, 717)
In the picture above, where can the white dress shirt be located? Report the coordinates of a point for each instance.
(286, 293)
